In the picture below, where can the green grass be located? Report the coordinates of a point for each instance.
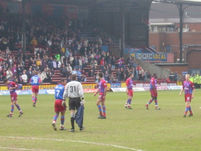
(164, 130)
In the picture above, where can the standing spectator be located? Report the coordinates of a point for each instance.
(9, 74)
(24, 77)
(54, 64)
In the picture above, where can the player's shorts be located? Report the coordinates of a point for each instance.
(188, 97)
(101, 97)
(153, 93)
(130, 92)
(58, 107)
(13, 97)
(74, 103)
(35, 88)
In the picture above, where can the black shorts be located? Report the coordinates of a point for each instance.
(74, 103)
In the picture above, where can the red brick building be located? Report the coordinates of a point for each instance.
(164, 33)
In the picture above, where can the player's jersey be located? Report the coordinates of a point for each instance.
(12, 85)
(73, 89)
(153, 84)
(129, 84)
(102, 86)
(59, 91)
(35, 80)
(188, 87)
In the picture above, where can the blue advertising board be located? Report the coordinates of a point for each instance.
(115, 85)
(162, 57)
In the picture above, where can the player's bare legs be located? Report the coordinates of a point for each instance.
(128, 103)
(14, 103)
(18, 107)
(34, 99)
(11, 110)
(153, 98)
(101, 107)
(188, 108)
(148, 103)
(156, 104)
(54, 121)
(62, 120)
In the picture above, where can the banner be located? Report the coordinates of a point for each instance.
(94, 86)
(46, 86)
(132, 51)
(3, 88)
(140, 89)
(115, 85)
(161, 57)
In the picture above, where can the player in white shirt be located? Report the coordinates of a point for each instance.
(74, 91)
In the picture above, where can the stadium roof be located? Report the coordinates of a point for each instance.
(188, 2)
(167, 10)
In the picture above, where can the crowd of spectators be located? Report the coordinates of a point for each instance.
(57, 44)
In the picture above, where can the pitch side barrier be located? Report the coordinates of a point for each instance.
(92, 87)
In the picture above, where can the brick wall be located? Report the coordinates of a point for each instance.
(194, 59)
(176, 68)
(161, 40)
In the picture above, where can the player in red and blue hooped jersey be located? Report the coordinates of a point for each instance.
(35, 82)
(153, 92)
(129, 91)
(12, 87)
(59, 104)
(102, 89)
(188, 88)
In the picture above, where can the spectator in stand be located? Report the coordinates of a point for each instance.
(46, 38)
(107, 77)
(24, 77)
(64, 71)
(54, 64)
(9, 74)
(69, 69)
(118, 75)
(29, 73)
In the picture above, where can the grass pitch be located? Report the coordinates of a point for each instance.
(123, 130)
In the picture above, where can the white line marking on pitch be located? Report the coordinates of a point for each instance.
(21, 149)
(73, 141)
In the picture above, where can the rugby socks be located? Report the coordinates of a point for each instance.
(36, 99)
(129, 101)
(33, 99)
(100, 110)
(186, 110)
(18, 107)
(62, 120)
(150, 101)
(104, 110)
(156, 102)
(72, 122)
(12, 109)
(55, 118)
(189, 108)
